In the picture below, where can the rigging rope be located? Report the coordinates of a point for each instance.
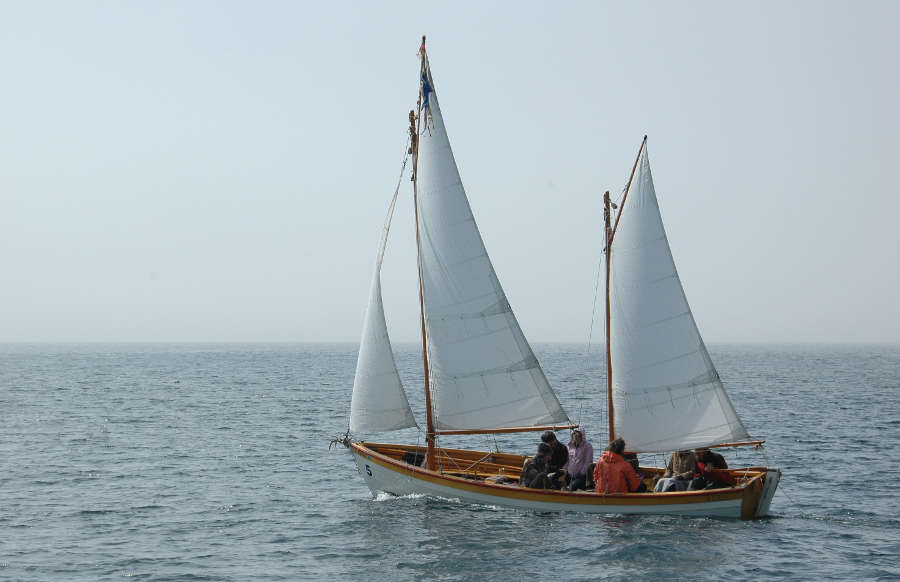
(781, 489)
(594, 308)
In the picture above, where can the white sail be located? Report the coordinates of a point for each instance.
(379, 402)
(666, 392)
(483, 372)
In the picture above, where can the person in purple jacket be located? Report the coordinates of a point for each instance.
(581, 455)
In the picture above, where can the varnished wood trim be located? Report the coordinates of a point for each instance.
(752, 494)
(609, 398)
(737, 444)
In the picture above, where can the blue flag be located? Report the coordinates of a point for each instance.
(426, 89)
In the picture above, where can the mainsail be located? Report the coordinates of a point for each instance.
(483, 373)
(378, 403)
(666, 392)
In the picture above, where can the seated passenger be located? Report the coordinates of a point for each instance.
(535, 469)
(581, 454)
(710, 459)
(560, 453)
(680, 469)
(613, 474)
(712, 471)
(633, 461)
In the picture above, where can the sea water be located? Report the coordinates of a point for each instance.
(212, 462)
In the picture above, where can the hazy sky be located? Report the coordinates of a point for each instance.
(219, 171)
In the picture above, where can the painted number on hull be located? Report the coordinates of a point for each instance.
(368, 471)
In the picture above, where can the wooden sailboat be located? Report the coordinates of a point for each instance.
(481, 376)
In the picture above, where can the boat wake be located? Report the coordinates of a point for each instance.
(382, 496)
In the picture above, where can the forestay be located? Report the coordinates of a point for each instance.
(483, 372)
(379, 402)
(667, 394)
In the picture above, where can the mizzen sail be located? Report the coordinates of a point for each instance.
(379, 402)
(483, 373)
(666, 392)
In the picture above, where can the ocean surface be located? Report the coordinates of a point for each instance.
(212, 462)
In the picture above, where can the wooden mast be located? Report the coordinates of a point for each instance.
(610, 233)
(414, 128)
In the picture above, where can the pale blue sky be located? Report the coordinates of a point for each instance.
(219, 171)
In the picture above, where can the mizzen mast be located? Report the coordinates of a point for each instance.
(608, 234)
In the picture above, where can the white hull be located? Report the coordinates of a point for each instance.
(385, 475)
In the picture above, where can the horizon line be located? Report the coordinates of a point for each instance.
(406, 343)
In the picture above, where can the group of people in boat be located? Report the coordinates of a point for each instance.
(572, 468)
(559, 467)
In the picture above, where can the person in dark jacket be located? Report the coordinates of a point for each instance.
(560, 452)
(535, 469)
(710, 459)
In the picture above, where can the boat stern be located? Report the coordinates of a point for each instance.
(773, 477)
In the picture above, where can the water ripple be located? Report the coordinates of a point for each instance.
(211, 462)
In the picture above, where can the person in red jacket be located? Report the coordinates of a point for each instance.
(613, 474)
(713, 468)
